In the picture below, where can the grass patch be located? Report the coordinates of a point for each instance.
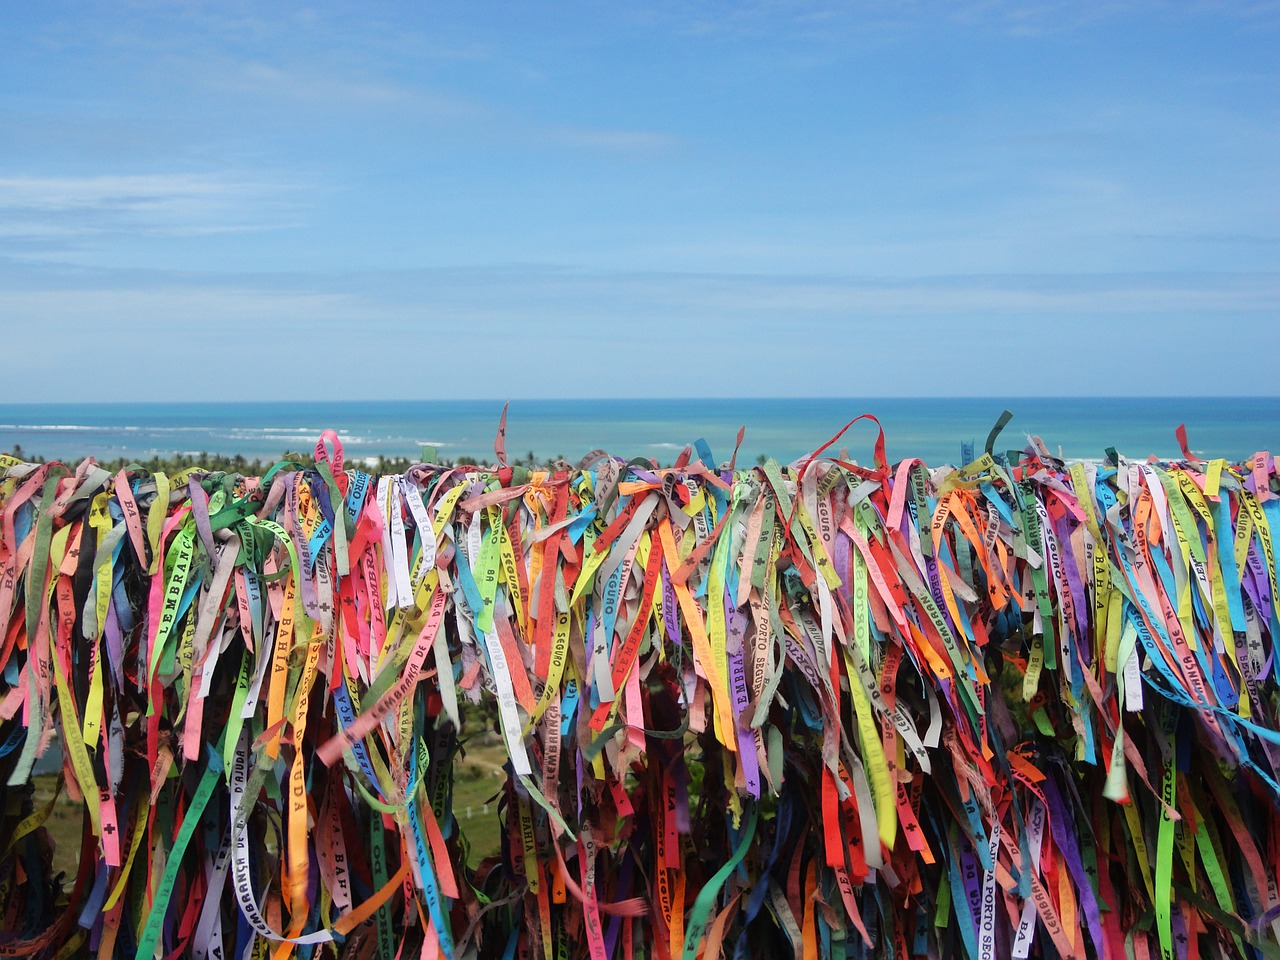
(478, 783)
(65, 823)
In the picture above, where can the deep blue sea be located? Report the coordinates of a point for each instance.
(931, 428)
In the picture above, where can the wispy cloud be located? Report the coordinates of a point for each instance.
(829, 21)
(335, 88)
(134, 192)
(401, 298)
(261, 78)
(464, 116)
(614, 141)
(169, 204)
(1226, 239)
(792, 331)
(218, 309)
(1034, 297)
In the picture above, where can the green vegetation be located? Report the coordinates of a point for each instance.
(65, 823)
(478, 783)
(221, 463)
(218, 463)
(477, 786)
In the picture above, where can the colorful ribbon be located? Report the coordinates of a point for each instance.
(1020, 708)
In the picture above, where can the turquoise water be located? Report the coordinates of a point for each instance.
(931, 428)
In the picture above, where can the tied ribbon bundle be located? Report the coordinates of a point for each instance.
(1020, 708)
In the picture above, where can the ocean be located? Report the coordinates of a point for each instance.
(931, 428)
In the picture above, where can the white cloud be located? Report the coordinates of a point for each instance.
(618, 141)
(335, 88)
(261, 78)
(130, 191)
(499, 300)
(841, 22)
(170, 204)
(212, 304)
(386, 328)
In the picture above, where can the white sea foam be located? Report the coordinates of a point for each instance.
(278, 437)
(42, 427)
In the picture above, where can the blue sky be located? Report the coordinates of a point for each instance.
(270, 201)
